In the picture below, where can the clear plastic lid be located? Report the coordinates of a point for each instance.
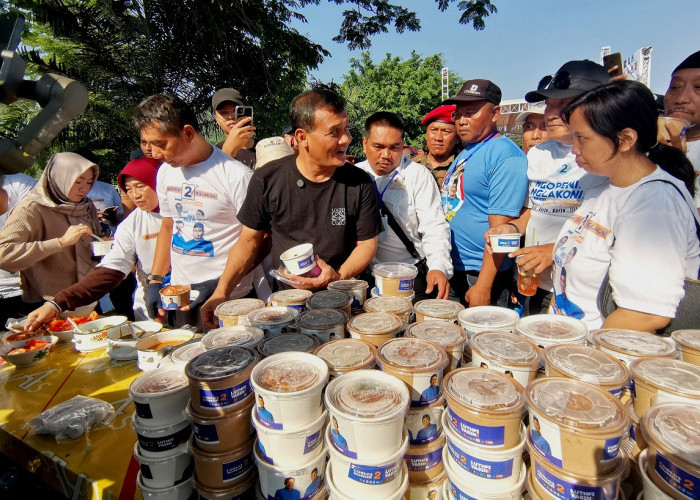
(184, 353)
(484, 389)
(443, 334)
(675, 427)
(285, 375)
(221, 362)
(395, 270)
(297, 342)
(687, 338)
(412, 354)
(346, 354)
(491, 317)
(395, 305)
(552, 328)
(329, 299)
(248, 336)
(273, 316)
(377, 323)
(670, 374)
(505, 347)
(291, 296)
(575, 404)
(321, 319)
(587, 364)
(438, 308)
(238, 307)
(348, 285)
(634, 343)
(165, 379)
(364, 394)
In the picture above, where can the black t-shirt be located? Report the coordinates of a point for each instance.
(333, 215)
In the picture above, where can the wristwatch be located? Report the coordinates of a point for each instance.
(154, 277)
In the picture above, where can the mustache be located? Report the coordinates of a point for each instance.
(682, 109)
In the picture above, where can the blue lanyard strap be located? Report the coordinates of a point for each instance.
(471, 153)
(381, 195)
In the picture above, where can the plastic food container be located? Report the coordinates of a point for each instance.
(397, 494)
(419, 363)
(628, 345)
(448, 336)
(244, 336)
(651, 491)
(424, 461)
(93, 334)
(425, 424)
(588, 364)
(346, 355)
(487, 319)
(356, 288)
(235, 312)
(365, 477)
(461, 487)
(288, 389)
(575, 426)
(152, 349)
(374, 293)
(289, 449)
(165, 471)
(160, 396)
(224, 433)
(290, 342)
(331, 299)
(688, 342)
(274, 320)
(173, 297)
(242, 488)
(506, 353)
(325, 324)
(552, 329)
(160, 441)
(182, 354)
(375, 328)
(181, 491)
(121, 340)
(395, 279)
(291, 298)
(505, 243)
(218, 469)
(486, 468)
(308, 478)
(484, 406)
(438, 310)
(396, 305)
(429, 490)
(662, 380)
(299, 259)
(366, 410)
(219, 379)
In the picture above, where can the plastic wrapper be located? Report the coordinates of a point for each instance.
(72, 418)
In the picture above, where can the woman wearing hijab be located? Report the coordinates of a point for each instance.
(134, 245)
(47, 235)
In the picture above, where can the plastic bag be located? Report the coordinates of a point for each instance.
(72, 418)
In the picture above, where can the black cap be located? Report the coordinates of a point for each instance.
(690, 62)
(477, 90)
(225, 95)
(287, 129)
(571, 80)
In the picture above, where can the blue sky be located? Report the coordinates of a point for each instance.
(526, 39)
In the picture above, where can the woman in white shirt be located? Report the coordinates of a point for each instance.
(640, 228)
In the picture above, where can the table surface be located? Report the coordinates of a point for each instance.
(99, 464)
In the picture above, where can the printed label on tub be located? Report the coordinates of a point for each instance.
(479, 467)
(232, 470)
(423, 392)
(367, 474)
(312, 442)
(512, 243)
(564, 490)
(458, 494)
(611, 448)
(263, 454)
(267, 419)
(425, 461)
(405, 285)
(306, 262)
(223, 398)
(205, 433)
(341, 444)
(677, 478)
(143, 410)
(617, 392)
(546, 438)
(164, 443)
(482, 434)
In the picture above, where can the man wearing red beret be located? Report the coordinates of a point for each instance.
(442, 141)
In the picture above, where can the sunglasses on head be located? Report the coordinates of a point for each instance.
(561, 81)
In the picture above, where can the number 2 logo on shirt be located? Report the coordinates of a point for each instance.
(188, 191)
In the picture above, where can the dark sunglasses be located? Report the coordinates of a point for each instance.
(561, 81)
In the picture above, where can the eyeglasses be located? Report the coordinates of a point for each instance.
(561, 81)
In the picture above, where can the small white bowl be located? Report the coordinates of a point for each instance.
(505, 243)
(299, 259)
(120, 342)
(149, 357)
(93, 334)
(101, 248)
(29, 358)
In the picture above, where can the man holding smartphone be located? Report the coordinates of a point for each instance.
(236, 120)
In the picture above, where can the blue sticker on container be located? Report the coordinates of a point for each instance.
(406, 285)
(424, 461)
(312, 442)
(263, 453)
(164, 443)
(341, 444)
(478, 466)
(512, 243)
(610, 449)
(234, 469)
(559, 488)
(459, 494)
(143, 410)
(677, 478)
(617, 392)
(633, 435)
(482, 434)
(223, 398)
(267, 419)
(205, 433)
(301, 309)
(306, 262)
(367, 474)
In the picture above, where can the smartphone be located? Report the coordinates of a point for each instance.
(243, 111)
(612, 60)
(111, 209)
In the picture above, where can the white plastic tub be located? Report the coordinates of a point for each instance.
(154, 442)
(308, 478)
(181, 491)
(461, 486)
(290, 449)
(651, 491)
(425, 424)
(506, 353)
(244, 336)
(160, 396)
(399, 494)
(167, 470)
(487, 319)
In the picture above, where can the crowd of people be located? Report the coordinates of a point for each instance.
(600, 192)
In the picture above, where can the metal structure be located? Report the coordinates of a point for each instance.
(604, 51)
(637, 66)
(445, 83)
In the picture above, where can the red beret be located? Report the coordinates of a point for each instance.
(441, 114)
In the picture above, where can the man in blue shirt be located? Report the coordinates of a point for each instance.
(428, 431)
(288, 492)
(315, 484)
(431, 394)
(338, 439)
(492, 192)
(538, 439)
(263, 414)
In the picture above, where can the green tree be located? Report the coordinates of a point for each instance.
(410, 88)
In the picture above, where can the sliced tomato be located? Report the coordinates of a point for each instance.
(18, 350)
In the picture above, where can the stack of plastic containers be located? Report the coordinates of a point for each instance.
(235, 312)
(506, 353)
(160, 396)
(450, 337)
(244, 336)
(347, 355)
(331, 299)
(551, 329)
(395, 305)
(326, 324)
(689, 345)
(291, 298)
(366, 437)
(394, 279)
(356, 288)
(376, 328)
(274, 320)
(290, 419)
(487, 319)
(221, 399)
(485, 435)
(574, 439)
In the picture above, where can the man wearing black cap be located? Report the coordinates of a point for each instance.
(556, 183)
(489, 183)
(442, 142)
(239, 131)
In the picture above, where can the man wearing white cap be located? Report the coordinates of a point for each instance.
(534, 129)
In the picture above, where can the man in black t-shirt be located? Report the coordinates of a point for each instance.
(313, 197)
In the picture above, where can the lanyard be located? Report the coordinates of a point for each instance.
(381, 195)
(446, 181)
